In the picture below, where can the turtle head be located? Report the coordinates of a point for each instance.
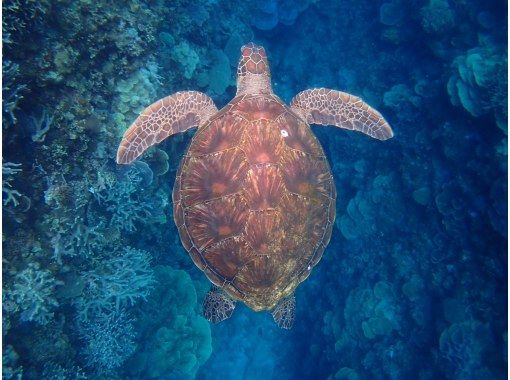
(253, 75)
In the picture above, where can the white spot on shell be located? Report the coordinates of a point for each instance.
(284, 133)
(309, 268)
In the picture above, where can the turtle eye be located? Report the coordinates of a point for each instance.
(284, 133)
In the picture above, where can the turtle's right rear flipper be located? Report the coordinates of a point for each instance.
(218, 306)
(285, 312)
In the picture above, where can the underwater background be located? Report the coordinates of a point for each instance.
(96, 283)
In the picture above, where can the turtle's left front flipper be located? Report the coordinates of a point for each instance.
(168, 116)
(330, 107)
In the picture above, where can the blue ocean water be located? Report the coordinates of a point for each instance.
(96, 283)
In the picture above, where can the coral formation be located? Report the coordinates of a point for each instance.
(437, 16)
(479, 83)
(109, 340)
(96, 283)
(177, 340)
(119, 282)
(32, 295)
(10, 195)
(462, 346)
(134, 94)
(376, 309)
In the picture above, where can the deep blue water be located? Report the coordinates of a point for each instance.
(413, 284)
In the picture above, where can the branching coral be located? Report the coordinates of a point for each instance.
(12, 90)
(32, 294)
(109, 340)
(72, 230)
(18, 15)
(10, 195)
(116, 282)
(125, 200)
(54, 371)
(41, 126)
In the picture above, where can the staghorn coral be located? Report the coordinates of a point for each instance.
(31, 294)
(54, 371)
(12, 91)
(72, 230)
(19, 16)
(10, 195)
(125, 200)
(41, 126)
(108, 339)
(116, 282)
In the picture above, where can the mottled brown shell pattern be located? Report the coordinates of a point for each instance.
(254, 200)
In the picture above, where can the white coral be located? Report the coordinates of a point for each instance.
(10, 195)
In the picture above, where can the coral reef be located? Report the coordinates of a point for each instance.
(119, 282)
(479, 83)
(437, 16)
(108, 341)
(268, 14)
(96, 282)
(177, 340)
(32, 295)
(462, 346)
(10, 195)
(134, 94)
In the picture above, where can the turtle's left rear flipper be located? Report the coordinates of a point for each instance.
(217, 305)
(168, 116)
(330, 107)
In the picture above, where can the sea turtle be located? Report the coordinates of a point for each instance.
(254, 198)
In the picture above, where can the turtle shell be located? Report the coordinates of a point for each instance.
(254, 200)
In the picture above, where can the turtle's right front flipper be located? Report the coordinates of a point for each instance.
(173, 114)
(329, 107)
